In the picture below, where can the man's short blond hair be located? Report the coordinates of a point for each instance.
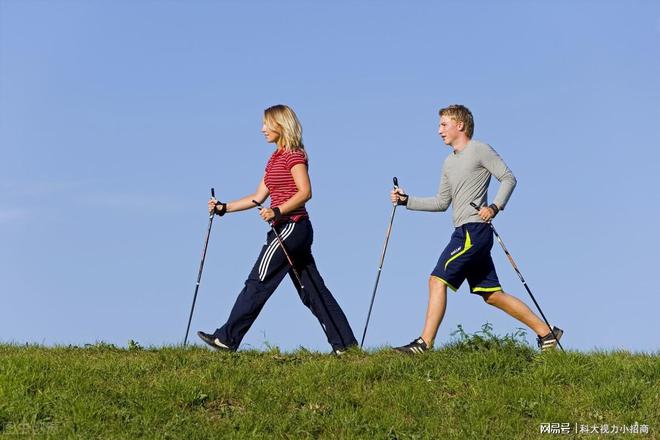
(460, 113)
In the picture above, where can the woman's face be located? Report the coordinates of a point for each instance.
(271, 135)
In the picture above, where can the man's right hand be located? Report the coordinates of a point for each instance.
(398, 196)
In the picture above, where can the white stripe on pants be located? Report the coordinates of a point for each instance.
(272, 248)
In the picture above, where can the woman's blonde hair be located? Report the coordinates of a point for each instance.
(283, 120)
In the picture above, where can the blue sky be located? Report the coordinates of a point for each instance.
(117, 117)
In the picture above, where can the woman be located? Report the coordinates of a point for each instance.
(286, 181)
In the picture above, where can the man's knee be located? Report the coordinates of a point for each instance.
(436, 284)
(492, 298)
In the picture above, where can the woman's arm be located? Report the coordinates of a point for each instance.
(260, 195)
(304, 186)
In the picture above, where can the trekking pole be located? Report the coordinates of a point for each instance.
(515, 267)
(201, 267)
(288, 257)
(279, 239)
(380, 267)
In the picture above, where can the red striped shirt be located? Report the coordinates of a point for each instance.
(280, 183)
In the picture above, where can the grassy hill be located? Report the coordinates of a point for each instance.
(479, 387)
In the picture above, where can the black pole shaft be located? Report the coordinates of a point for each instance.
(201, 268)
(281, 242)
(515, 267)
(380, 267)
(286, 253)
(288, 257)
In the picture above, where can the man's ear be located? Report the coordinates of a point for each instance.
(460, 125)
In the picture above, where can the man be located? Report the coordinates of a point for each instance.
(465, 177)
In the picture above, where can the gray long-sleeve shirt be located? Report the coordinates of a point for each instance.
(465, 178)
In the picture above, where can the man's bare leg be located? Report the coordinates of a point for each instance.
(518, 309)
(435, 310)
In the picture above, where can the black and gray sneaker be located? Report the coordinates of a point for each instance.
(418, 346)
(548, 342)
(214, 342)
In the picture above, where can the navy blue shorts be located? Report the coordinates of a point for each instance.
(467, 256)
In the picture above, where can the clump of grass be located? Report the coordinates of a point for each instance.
(486, 339)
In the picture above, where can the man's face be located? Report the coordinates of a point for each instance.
(449, 129)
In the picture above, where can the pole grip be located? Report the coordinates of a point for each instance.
(257, 203)
(396, 182)
(213, 192)
(474, 205)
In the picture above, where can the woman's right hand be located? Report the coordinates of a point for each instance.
(398, 196)
(212, 203)
(217, 207)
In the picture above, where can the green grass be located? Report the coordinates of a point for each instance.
(479, 387)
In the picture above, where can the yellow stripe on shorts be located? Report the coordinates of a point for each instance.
(466, 247)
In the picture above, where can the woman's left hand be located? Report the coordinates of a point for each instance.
(267, 214)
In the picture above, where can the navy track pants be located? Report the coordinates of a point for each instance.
(267, 273)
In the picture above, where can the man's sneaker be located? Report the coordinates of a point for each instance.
(418, 346)
(548, 342)
(337, 352)
(214, 342)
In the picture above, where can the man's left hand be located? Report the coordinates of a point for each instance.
(487, 213)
